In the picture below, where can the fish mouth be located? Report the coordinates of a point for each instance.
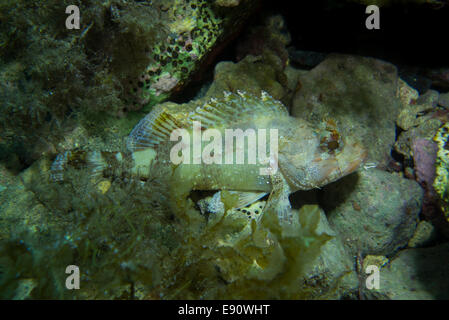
(352, 158)
(322, 171)
(343, 164)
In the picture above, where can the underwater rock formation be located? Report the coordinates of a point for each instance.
(252, 74)
(419, 118)
(443, 100)
(424, 235)
(359, 94)
(374, 212)
(262, 61)
(424, 158)
(417, 274)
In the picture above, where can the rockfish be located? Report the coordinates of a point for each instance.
(273, 153)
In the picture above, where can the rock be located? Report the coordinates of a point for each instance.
(262, 59)
(417, 274)
(252, 74)
(425, 153)
(406, 93)
(425, 130)
(270, 37)
(374, 212)
(410, 117)
(378, 261)
(443, 100)
(415, 109)
(409, 173)
(424, 233)
(430, 97)
(424, 157)
(293, 84)
(333, 270)
(293, 75)
(419, 118)
(360, 94)
(415, 78)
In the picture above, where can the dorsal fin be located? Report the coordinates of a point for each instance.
(236, 107)
(153, 129)
(157, 126)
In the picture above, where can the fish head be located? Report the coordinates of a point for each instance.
(311, 158)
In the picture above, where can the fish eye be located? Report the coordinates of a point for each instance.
(330, 141)
(332, 145)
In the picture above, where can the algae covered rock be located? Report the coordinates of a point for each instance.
(359, 94)
(374, 213)
(417, 274)
(424, 234)
(419, 118)
(441, 182)
(123, 239)
(251, 74)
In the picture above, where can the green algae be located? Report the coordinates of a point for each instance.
(50, 75)
(129, 245)
(441, 182)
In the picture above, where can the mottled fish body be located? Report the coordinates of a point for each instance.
(296, 155)
(305, 157)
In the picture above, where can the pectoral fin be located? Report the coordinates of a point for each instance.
(240, 199)
(278, 201)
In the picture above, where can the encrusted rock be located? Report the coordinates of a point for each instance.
(374, 212)
(417, 274)
(251, 74)
(443, 100)
(424, 233)
(359, 93)
(425, 130)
